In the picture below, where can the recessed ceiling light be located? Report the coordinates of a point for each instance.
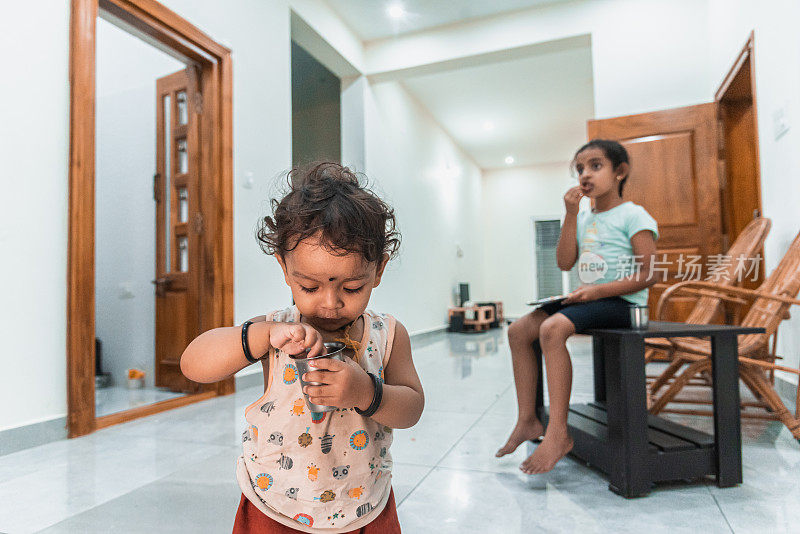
(509, 160)
(488, 126)
(396, 11)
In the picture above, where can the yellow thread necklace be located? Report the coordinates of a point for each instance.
(349, 342)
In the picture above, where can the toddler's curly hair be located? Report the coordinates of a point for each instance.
(329, 199)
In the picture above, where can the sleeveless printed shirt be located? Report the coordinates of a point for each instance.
(317, 472)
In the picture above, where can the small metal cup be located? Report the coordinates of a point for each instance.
(333, 350)
(639, 317)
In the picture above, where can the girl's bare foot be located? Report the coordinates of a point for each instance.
(523, 431)
(553, 447)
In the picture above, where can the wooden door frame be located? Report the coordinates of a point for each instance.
(154, 23)
(747, 53)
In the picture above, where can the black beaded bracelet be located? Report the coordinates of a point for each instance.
(376, 397)
(246, 345)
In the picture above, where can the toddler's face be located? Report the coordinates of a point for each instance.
(329, 290)
(595, 173)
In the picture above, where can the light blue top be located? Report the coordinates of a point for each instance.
(605, 252)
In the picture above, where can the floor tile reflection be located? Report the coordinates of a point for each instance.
(118, 399)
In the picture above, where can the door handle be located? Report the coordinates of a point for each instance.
(162, 284)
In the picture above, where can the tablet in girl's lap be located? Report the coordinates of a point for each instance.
(546, 300)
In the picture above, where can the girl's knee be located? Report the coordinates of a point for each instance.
(517, 332)
(526, 328)
(556, 329)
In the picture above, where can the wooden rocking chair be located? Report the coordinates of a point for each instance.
(747, 245)
(770, 306)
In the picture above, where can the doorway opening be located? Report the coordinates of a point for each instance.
(316, 110)
(131, 105)
(178, 234)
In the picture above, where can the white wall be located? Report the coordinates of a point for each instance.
(777, 64)
(353, 95)
(512, 197)
(34, 119)
(435, 190)
(125, 244)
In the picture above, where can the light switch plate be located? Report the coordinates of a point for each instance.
(780, 121)
(249, 181)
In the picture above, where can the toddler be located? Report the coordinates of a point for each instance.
(320, 471)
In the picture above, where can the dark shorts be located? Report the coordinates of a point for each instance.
(611, 312)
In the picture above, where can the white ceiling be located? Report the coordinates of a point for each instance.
(538, 106)
(369, 19)
(537, 101)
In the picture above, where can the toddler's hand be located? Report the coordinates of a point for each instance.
(572, 200)
(294, 338)
(344, 384)
(583, 294)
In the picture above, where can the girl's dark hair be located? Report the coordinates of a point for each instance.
(614, 151)
(329, 199)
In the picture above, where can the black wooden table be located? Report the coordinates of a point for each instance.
(616, 434)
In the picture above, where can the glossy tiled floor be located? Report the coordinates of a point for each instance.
(173, 472)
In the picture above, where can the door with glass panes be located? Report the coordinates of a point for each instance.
(178, 225)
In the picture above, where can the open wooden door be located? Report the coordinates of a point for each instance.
(696, 171)
(740, 168)
(178, 226)
(674, 177)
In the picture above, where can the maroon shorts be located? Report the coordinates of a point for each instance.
(251, 520)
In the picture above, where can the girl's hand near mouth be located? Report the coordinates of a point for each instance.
(572, 199)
